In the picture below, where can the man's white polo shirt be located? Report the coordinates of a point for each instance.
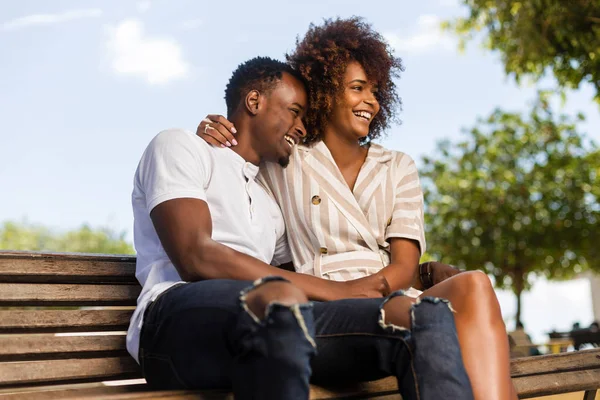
(178, 164)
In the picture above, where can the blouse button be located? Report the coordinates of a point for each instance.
(316, 200)
(389, 221)
(323, 250)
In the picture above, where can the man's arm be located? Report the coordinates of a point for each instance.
(184, 227)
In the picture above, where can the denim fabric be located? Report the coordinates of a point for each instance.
(200, 335)
(354, 344)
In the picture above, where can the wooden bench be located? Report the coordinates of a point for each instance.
(51, 303)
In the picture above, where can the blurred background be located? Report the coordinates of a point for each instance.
(501, 111)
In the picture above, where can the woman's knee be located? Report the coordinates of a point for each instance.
(472, 284)
(282, 292)
(477, 293)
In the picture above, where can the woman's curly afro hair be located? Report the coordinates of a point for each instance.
(322, 56)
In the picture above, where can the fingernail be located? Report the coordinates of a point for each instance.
(233, 129)
(223, 146)
(228, 144)
(234, 142)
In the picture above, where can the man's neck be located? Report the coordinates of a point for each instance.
(245, 147)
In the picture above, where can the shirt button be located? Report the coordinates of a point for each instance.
(323, 250)
(389, 221)
(316, 200)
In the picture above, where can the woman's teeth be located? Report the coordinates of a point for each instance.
(363, 114)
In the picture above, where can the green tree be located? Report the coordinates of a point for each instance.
(25, 236)
(519, 197)
(537, 35)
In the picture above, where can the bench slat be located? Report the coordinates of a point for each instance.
(51, 346)
(584, 359)
(560, 382)
(68, 370)
(527, 387)
(116, 392)
(79, 390)
(51, 270)
(37, 255)
(360, 390)
(140, 392)
(17, 321)
(14, 294)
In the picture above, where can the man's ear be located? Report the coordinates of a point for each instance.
(254, 100)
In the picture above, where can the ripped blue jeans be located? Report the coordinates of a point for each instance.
(355, 344)
(201, 335)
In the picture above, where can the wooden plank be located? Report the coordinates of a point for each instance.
(142, 392)
(34, 255)
(30, 321)
(585, 359)
(51, 346)
(116, 392)
(110, 393)
(53, 270)
(23, 373)
(30, 294)
(79, 390)
(527, 387)
(361, 390)
(557, 383)
(175, 395)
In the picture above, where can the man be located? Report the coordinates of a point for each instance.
(205, 229)
(217, 229)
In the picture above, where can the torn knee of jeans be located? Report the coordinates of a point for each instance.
(389, 326)
(255, 285)
(271, 307)
(295, 309)
(430, 310)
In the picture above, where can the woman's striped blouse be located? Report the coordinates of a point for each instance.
(338, 233)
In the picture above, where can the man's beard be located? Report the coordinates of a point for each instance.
(284, 161)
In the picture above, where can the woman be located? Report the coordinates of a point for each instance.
(353, 208)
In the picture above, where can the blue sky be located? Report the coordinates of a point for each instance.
(84, 86)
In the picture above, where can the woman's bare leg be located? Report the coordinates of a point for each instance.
(481, 333)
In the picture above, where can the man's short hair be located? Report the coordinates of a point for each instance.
(259, 73)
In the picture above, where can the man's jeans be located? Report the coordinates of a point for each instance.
(201, 335)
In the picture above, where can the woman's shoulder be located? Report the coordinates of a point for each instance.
(384, 154)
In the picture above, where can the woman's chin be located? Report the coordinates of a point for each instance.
(361, 135)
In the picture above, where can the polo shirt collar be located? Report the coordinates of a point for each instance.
(248, 169)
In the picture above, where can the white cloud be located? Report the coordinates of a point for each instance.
(427, 37)
(49, 19)
(143, 6)
(191, 24)
(158, 60)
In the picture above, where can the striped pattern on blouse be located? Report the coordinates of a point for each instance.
(340, 234)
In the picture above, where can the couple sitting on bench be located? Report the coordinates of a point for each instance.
(294, 181)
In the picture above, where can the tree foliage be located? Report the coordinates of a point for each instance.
(25, 236)
(519, 197)
(537, 35)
